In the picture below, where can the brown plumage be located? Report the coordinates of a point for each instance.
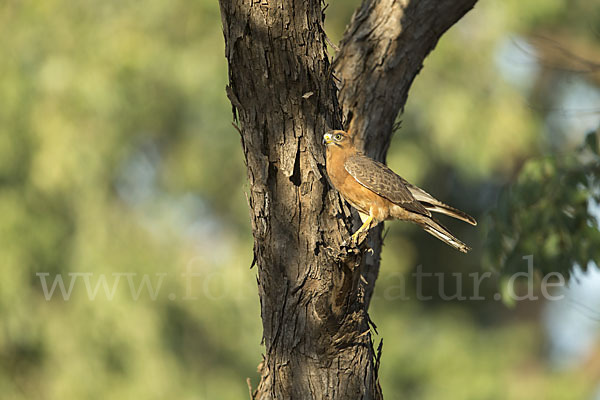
(379, 194)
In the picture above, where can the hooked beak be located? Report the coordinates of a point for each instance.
(328, 137)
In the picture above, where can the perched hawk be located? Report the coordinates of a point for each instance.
(379, 194)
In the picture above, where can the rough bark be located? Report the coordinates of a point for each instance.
(284, 97)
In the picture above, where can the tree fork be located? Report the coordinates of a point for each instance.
(314, 293)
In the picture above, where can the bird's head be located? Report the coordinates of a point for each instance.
(337, 138)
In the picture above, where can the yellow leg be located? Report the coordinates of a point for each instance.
(365, 226)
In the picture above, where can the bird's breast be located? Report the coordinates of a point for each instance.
(359, 197)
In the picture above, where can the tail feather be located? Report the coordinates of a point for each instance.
(436, 229)
(451, 211)
(432, 204)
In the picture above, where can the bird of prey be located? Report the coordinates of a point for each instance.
(379, 194)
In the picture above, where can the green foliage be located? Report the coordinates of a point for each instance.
(551, 211)
(468, 363)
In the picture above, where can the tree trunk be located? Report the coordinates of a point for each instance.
(314, 292)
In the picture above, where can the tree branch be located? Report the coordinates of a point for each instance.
(381, 53)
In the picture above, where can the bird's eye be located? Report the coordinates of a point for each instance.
(338, 137)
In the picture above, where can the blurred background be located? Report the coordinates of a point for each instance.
(125, 242)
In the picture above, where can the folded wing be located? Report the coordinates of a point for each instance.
(378, 178)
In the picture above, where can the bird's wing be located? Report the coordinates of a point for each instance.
(378, 178)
